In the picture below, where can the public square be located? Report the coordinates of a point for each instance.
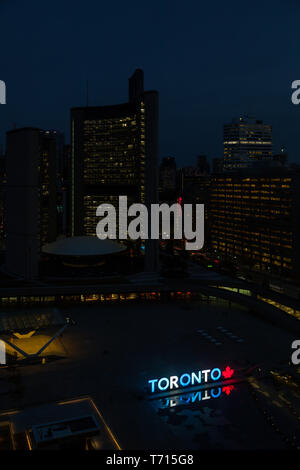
(112, 350)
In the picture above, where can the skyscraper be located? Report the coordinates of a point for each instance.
(246, 140)
(2, 198)
(167, 179)
(203, 164)
(30, 219)
(194, 184)
(48, 165)
(114, 153)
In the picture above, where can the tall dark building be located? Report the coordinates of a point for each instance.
(194, 184)
(115, 153)
(136, 85)
(245, 141)
(218, 165)
(203, 164)
(48, 149)
(282, 157)
(167, 179)
(2, 199)
(64, 193)
(30, 219)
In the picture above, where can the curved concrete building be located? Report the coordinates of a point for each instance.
(84, 246)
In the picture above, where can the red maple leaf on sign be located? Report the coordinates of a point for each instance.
(228, 389)
(227, 373)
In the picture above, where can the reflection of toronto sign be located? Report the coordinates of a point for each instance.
(2, 92)
(189, 380)
(196, 397)
(144, 225)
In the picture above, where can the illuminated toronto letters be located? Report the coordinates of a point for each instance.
(189, 379)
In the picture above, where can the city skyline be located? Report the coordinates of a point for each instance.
(183, 161)
(149, 233)
(210, 87)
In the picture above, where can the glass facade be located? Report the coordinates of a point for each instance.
(111, 147)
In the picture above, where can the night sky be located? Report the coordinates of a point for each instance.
(210, 61)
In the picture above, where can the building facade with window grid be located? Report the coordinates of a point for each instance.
(253, 219)
(246, 141)
(114, 153)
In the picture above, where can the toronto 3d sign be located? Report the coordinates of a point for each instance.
(189, 379)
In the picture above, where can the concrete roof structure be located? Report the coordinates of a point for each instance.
(83, 246)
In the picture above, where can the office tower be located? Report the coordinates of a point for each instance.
(194, 188)
(136, 86)
(246, 140)
(48, 149)
(114, 153)
(218, 165)
(194, 181)
(167, 179)
(30, 218)
(2, 200)
(57, 140)
(203, 164)
(64, 193)
(253, 216)
(66, 163)
(282, 157)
